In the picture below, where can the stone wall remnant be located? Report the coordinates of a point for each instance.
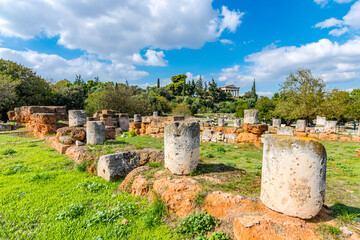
(77, 118)
(276, 122)
(95, 132)
(288, 131)
(221, 122)
(293, 175)
(251, 116)
(320, 121)
(155, 114)
(237, 123)
(330, 126)
(137, 118)
(301, 125)
(182, 147)
(124, 121)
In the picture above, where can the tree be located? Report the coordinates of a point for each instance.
(266, 107)
(301, 96)
(158, 83)
(7, 93)
(199, 87)
(336, 105)
(241, 105)
(216, 93)
(251, 97)
(177, 85)
(354, 108)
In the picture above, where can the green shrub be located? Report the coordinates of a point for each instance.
(220, 149)
(8, 152)
(72, 211)
(218, 236)
(208, 155)
(132, 133)
(182, 110)
(153, 216)
(17, 169)
(91, 186)
(197, 224)
(41, 177)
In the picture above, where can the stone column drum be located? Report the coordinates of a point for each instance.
(124, 121)
(155, 114)
(301, 125)
(137, 118)
(276, 122)
(293, 175)
(221, 122)
(251, 116)
(182, 146)
(330, 126)
(237, 123)
(95, 132)
(77, 118)
(320, 121)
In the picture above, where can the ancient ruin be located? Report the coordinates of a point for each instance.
(95, 132)
(77, 118)
(251, 116)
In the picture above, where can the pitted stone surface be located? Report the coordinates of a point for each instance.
(221, 122)
(77, 118)
(95, 132)
(320, 121)
(330, 126)
(293, 175)
(237, 123)
(251, 116)
(276, 122)
(124, 121)
(116, 166)
(137, 118)
(288, 131)
(182, 147)
(301, 125)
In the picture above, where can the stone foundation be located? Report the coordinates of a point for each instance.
(252, 134)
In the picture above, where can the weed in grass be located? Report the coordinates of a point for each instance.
(200, 199)
(258, 166)
(40, 177)
(17, 169)
(218, 236)
(8, 152)
(91, 186)
(345, 213)
(132, 133)
(327, 230)
(248, 160)
(32, 145)
(230, 164)
(220, 149)
(153, 216)
(72, 211)
(208, 155)
(330, 159)
(82, 166)
(154, 164)
(212, 144)
(196, 224)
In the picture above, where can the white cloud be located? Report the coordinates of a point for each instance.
(335, 62)
(324, 2)
(56, 67)
(231, 19)
(265, 94)
(153, 58)
(353, 17)
(331, 22)
(226, 41)
(191, 76)
(339, 32)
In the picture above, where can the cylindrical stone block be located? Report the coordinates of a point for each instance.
(293, 175)
(301, 125)
(156, 114)
(95, 132)
(276, 122)
(330, 126)
(124, 121)
(251, 116)
(77, 118)
(182, 147)
(320, 121)
(237, 123)
(221, 122)
(137, 118)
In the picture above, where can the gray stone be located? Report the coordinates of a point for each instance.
(287, 131)
(137, 118)
(320, 121)
(95, 132)
(330, 126)
(124, 121)
(182, 146)
(319, 129)
(301, 125)
(156, 114)
(237, 123)
(5, 127)
(207, 135)
(251, 116)
(276, 122)
(63, 139)
(221, 122)
(79, 143)
(293, 175)
(77, 118)
(116, 166)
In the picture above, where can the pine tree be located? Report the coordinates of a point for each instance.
(158, 83)
(253, 92)
(126, 83)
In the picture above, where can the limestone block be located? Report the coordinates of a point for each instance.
(95, 132)
(137, 118)
(301, 125)
(61, 148)
(116, 166)
(182, 147)
(320, 121)
(330, 126)
(5, 127)
(251, 116)
(276, 122)
(77, 118)
(110, 132)
(221, 122)
(237, 123)
(207, 135)
(124, 121)
(78, 134)
(293, 175)
(155, 114)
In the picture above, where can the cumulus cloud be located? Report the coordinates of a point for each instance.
(226, 41)
(324, 2)
(339, 32)
(331, 22)
(153, 58)
(56, 67)
(335, 62)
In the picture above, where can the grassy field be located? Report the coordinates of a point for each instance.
(44, 196)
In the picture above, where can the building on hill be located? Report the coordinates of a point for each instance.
(232, 89)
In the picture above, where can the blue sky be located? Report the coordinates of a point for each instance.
(230, 41)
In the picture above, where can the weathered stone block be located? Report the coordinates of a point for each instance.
(155, 114)
(293, 175)
(116, 166)
(124, 121)
(95, 132)
(301, 125)
(330, 126)
(5, 127)
(251, 116)
(137, 118)
(78, 134)
(77, 118)
(276, 122)
(237, 123)
(61, 148)
(221, 122)
(288, 131)
(182, 147)
(110, 132)
(320, 121)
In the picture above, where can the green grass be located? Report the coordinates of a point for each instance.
(143, 142)
(43, 196)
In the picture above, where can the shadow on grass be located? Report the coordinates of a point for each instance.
(215, 168)
(339, 211)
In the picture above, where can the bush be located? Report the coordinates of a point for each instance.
(182, 110)
(197, 224)
(220, 149)
(132, 133)
(8, 152)
(91, 186)
(72, 211)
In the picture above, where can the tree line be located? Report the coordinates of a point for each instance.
(301, 96)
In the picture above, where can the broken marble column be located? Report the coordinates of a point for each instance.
(221, 122)
(137, 118)
(251, 116)
(182, 146)
(77, 118)
(156, 114)
(95, 132)
(330, 126)
(237, 123)
(301, 125)
(293, 175)
(116, 166)
(124, 121)
(276, 122)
